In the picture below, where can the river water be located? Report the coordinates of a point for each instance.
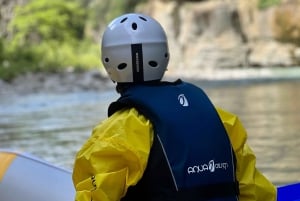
(53, 126)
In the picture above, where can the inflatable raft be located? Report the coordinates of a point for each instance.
(290, 192)
(25, 177)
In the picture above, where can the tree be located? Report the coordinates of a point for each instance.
(59, 20)
(49, 35)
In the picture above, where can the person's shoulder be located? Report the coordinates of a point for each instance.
(229, 119)
(122, 120)
(128, 114)
(225, 114)
(234, 128)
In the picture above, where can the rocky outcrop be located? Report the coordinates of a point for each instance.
(269, 42)
(229, 33)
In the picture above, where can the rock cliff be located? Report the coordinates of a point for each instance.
(229, 33)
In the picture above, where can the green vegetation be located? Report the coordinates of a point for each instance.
(50, 36)
(263, 4)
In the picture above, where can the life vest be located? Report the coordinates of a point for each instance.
(191, 158)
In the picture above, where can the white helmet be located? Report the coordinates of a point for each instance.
(134, 49)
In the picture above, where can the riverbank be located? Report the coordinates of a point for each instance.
(98, 80)
(56, 82)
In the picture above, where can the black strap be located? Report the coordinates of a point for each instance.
(137, 62)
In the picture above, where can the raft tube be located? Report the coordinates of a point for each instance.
(25, 177)
(290, 192)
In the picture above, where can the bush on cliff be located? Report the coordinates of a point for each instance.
(262, 4)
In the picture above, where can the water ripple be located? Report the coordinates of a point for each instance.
(54, 126)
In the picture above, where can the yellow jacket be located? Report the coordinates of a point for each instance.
(116, 154)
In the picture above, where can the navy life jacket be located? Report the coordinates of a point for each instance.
(191, 158)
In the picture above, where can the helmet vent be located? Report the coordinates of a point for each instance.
(134, 26)
(142, 18)
(122, 66)
(123, 20)
(106, 60)
(153, 63)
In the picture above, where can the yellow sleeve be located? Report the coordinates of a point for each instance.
(252, 183)
(113, 158)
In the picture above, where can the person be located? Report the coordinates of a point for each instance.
(163, 140)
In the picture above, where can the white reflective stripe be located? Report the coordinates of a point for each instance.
(173, 176)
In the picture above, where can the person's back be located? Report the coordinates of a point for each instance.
(191, 148)
(162, 140)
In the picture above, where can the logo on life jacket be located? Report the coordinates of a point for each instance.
(182, 100)
(211, 166)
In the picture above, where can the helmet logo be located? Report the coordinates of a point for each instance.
(137, 62)
(182, 100)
